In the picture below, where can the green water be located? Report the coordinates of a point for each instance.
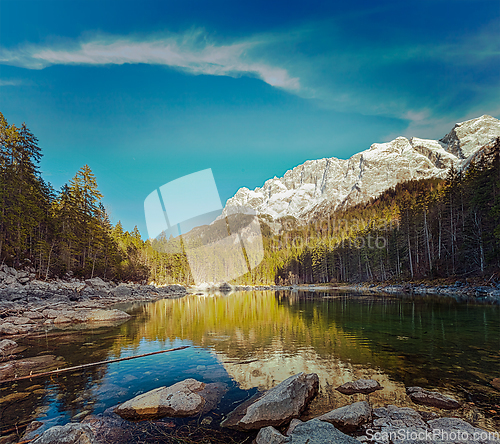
(253, 340)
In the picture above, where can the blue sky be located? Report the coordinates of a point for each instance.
(146, 92)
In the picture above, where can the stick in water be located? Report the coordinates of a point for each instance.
(92, 364)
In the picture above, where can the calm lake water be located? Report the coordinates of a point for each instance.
(254, 340)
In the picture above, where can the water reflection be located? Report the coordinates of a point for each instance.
(256, 339)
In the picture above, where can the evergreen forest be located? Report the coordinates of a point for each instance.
(418, 230)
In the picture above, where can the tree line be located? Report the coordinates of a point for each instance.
(419, 229)
(57, 233)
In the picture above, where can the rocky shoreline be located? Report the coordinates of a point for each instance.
(29, 305)
(483, 293)
(273, 417)
(487, 293)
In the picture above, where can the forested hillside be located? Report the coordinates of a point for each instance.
(419, 229)
(58, 232)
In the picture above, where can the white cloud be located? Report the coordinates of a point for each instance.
(10, 82)
(190, 52)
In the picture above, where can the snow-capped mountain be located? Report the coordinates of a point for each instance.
(331, 183)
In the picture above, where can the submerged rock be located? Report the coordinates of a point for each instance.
(496, 383)
(185, 398)
(72, 433)
(360, 386)
(23, 367)
(276, 406)
(433, 399)
(350, 417)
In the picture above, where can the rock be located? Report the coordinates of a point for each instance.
(185, 398)
(73, 286)
(391, 420)
(62, 320)
(32, 426)
(33, 315)
(50, 313)
(496, 383)
(7, 345)
(463, 431)
(9, 280)
(122, 290)
(225, 287)
(350, 417)
(276, 406)
(23, 367)
(23, 280)
(39, 285)
(293, 423)
(8, 329)
(13, 397)
(97, 283)
(106, 315)
(72, 433)
(319, 432)
(269, 435)
(360, 386)
(18, 320)
(433, 399)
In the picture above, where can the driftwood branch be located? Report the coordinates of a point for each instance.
(92, 364)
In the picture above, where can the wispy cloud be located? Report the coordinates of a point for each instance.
(414, 79)
(11, 82)
(190, 52)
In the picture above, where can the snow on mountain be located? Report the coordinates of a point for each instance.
(331, 183)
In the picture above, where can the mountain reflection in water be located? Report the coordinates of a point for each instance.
(255, 339)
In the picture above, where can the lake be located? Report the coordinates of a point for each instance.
(255, 339)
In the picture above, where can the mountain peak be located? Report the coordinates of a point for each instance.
(330, 183)
(467, 137)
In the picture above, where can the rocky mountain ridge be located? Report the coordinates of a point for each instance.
(331, 183)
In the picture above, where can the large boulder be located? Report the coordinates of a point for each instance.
(349, 417)
(185, 398)
(319, 432)
(360, 386)
(72, 433)
(432, 399)
(98, 284)
(276, 406)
